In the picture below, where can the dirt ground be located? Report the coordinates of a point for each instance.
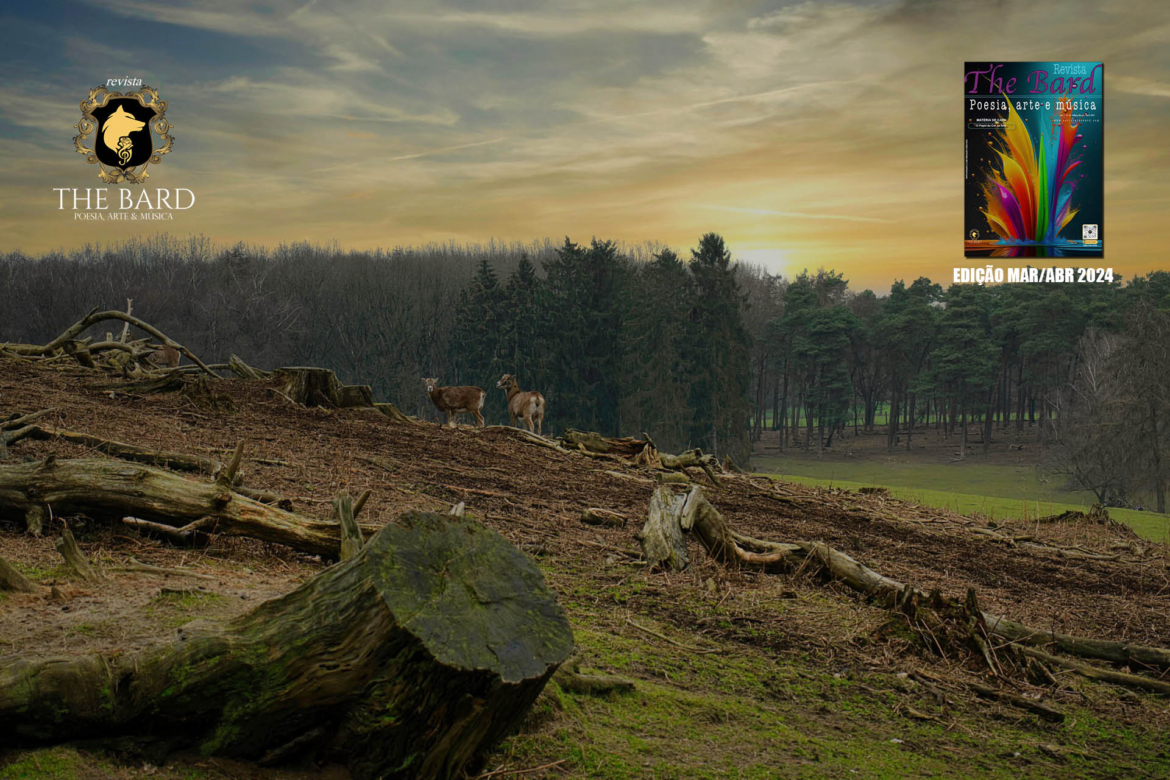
(533, 496)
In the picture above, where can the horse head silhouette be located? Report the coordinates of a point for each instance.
(115, 134)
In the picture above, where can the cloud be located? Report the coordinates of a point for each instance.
(808, 133)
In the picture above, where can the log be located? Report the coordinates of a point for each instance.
(132, 452)
(319, 387)
(570, 678)
(11, 579)
(597, 516)
(111, 490)
(171, 383)
(1097, 673)
(591, 441)
(410, 660)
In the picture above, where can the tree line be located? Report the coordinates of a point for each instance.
(695, 351)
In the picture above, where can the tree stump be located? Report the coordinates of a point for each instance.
(320, 387)
(662, 540)
(408, 660)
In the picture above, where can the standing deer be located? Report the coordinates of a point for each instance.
(456, 400)
(526, 405)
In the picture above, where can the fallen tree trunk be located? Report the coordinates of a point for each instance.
(111, 490)
(697, 514)
(591, 441)
(132, 452)
(408, 660)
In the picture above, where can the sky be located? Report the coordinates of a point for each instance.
(807, 134)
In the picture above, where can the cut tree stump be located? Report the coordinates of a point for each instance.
(320, 387)
(409, 660)
(662, 540)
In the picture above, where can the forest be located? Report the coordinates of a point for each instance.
(696, 350)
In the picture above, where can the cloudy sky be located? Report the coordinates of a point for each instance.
(808, 134)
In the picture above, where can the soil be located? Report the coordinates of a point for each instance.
(532, 495)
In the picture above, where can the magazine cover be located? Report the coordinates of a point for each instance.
(1032, 159)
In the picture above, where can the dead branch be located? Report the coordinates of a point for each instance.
(69, 336)
(1031, 705)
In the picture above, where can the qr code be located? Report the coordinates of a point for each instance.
(1088, 232)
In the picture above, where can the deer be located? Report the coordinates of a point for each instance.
(525, 405)
(456, 400)
(165, 356)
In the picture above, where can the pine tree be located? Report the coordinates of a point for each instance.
(655, 385)
(476, 337)
(521, 341)
(719, 358)
(583, 313)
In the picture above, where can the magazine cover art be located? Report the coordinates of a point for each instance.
(1032, 157)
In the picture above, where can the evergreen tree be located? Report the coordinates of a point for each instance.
(965, 359)
(476, 338)
(655, 386)
(719, 358)
(583, 313)
(521, 341)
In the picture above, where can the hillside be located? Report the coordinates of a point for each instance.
(738, 672)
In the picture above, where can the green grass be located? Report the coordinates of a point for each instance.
(746, 713)
(990, 490)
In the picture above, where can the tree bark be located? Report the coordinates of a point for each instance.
(407, 661)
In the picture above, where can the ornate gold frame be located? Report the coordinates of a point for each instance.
(98, 97)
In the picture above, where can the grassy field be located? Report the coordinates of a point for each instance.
(988, 489)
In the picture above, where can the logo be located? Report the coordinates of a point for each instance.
(974, 233)
(126, 133)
